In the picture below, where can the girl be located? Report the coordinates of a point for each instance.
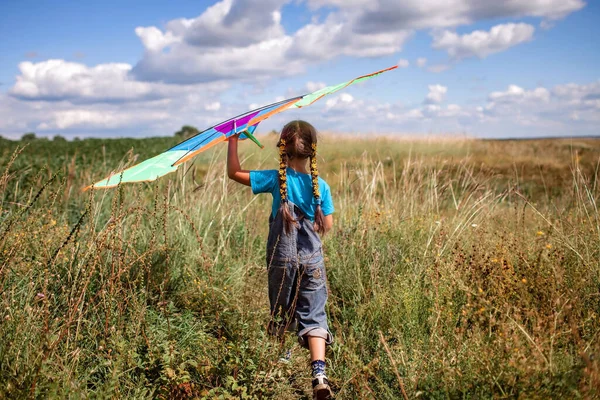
(301, 211)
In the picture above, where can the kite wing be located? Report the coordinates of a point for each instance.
(246, 124)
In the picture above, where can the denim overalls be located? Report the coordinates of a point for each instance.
(297, 281)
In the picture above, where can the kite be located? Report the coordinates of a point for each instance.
(244, 124)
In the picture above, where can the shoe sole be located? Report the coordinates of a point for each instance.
(322, 392)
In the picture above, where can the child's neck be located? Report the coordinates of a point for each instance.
(298, 165)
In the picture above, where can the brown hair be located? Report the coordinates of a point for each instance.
(299, 140)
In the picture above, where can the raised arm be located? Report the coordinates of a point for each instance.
(234, 170)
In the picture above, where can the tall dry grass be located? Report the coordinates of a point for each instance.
(456, 269)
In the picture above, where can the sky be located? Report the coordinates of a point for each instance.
(515, 68)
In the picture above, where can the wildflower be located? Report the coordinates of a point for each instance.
(524, 280)
(482, 309)
(540, 233)
(474, 225)
(40, 296)
(480, 290)
(548, 246)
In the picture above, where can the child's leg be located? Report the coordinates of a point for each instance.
(316, 346)
(320, 383)
(313, 331)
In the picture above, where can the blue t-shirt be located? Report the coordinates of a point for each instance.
(299, 190)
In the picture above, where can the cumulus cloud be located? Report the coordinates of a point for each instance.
(154, 39)
(344, 98)
(240, 39)
(314, 86)
(215, 106)
(578, 94)
(561, 110)
(436, 94)
(555, 108)
(97, 119)
(59, 80)
(482, 43)
(402, 63)
(232, 23)
(516, 94)
(421, 62)
(336, 37)
(392, 15)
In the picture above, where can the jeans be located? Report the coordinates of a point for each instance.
(297, 280)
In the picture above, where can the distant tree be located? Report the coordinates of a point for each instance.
(76, 139)
(274, 132)
(58, 138)
(28, 137)
(187, 131)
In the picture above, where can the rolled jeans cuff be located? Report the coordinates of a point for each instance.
(315, 331)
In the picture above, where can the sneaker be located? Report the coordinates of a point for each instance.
(286, 357)
(321, 389)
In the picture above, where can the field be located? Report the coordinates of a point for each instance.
(456, 269)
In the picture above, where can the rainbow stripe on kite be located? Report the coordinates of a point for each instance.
(246, 124)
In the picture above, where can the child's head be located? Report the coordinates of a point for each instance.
(299, 140)
(299, 137)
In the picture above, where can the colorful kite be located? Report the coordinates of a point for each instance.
(245, 124)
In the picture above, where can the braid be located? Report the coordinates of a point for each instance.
(282, 172)
(288, 220)
(314, 172)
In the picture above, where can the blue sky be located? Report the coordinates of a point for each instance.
(522, 68)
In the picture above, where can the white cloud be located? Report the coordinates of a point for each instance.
(346, 98)
(542, 108)
(336, 37)
(421, 62)
(402, 63)
(154, 39)
(436, 94)
(515, 93)
(59, 79)
(233, 40)
(236, 23)
(578, 94)
(483, 43)
(97, 119)
(215, 106)
(314, 86)
(392, 15)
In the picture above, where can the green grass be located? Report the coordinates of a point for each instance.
(457, 269)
